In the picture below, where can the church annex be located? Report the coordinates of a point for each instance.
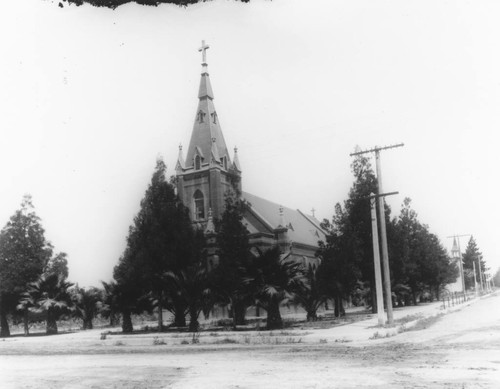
(208, 172)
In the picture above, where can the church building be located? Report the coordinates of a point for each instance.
(208, 172)
(459, 285)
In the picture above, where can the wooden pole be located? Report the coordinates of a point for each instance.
(480, 273)
(385, 251)
(475, 282)
(376, 262)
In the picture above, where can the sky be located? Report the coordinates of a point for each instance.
(90, 97)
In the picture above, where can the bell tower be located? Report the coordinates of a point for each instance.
(207, 172)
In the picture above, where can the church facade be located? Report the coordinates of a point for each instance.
(208, 172)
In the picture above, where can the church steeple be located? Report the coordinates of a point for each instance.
(207, 173)
(454, 249)
(206, 126)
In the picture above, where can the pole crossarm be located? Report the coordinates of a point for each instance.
(383, 233)
(458, 236)
(376, 196)
(377, 149)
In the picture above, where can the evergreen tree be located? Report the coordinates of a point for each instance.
(407, 247)
(24, 253)
(496, 279)
(348, 248)
(234, 257)
(418, 259)
(338, 273)
(159, 242)
(439, 269)
(58, 264)
(473, 257)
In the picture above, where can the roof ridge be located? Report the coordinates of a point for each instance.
(313, 222)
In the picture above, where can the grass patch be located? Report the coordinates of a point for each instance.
(158, 342)
(408, 318)
(424, 323)
(226, 341)
(378, 335)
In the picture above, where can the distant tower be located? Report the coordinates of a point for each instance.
(458, 285)
(207, 172)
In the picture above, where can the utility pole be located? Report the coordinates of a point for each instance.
(376, 257)
(460, 263)
(480, 272)
(381, 209)
(475, 282)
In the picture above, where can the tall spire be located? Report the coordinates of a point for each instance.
(454, 249)
(180, 160)
(236, 160)
(206, 125)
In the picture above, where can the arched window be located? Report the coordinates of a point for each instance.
(199, 205)
(201, 116)
(197, 162)
(223, 162)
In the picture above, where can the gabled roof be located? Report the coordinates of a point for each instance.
(302, 228)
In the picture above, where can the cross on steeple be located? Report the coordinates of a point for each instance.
(203, 50)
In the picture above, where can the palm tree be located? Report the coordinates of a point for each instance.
(109, 307)
(51, 296)
(87, 302)
(192, 285)
(312, 294)
(275, 279)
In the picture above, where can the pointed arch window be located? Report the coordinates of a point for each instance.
(201, 116)
(197, 162)
(199, 205)
(214, 117)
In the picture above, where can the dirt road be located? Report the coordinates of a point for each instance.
(460, 350)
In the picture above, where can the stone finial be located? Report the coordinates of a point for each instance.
(236, 161)
(282, 223)
(210, 228)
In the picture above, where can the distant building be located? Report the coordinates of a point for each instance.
(458, 285)
(208, 172)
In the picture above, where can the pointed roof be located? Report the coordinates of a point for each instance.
(206, 125)
(454, 249)
(180, 159)
(236, 160)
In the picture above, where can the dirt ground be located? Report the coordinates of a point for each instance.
(460, 348)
